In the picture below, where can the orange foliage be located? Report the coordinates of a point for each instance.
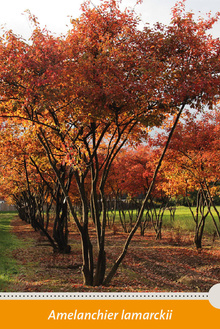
(105, 83)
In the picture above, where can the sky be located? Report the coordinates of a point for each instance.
(55, 15)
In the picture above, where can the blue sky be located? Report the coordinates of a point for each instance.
(54, 14)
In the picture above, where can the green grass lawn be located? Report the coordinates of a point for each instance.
(183, 220)
(8, 242)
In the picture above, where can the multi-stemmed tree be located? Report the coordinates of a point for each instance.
(103, 84)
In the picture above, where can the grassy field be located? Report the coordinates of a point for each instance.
(183, 220)
(8, 242)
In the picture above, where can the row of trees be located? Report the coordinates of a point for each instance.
(195, 148)
(69, 104)
(190, 173)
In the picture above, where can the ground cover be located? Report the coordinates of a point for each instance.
(183, 219)
(9, 267)
(171, 264)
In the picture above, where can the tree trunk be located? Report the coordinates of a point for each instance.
(101, 263)
(100, 268)
(87, 254)
(199, 235)
(60, 229)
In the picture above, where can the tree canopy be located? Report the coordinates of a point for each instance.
(105, 83)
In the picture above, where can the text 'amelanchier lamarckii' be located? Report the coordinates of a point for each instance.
(106, 315)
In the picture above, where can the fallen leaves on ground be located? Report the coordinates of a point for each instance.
(150, 265)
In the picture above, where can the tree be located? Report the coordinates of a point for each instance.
(31, 185)
(196, 167)
(131, 175)
(99, 87)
